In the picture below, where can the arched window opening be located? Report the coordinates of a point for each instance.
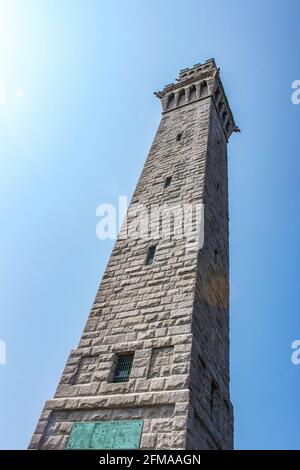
(181, 99)
(170, 101)
(217, 95)
(203, 90)
(192, 93)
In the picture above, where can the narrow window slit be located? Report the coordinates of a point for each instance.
(168, 182)
(150, 255)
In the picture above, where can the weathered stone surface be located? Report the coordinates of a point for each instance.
(172, 314)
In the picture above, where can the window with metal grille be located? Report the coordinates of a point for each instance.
(168, 181)
(150, 255)
(123, 368)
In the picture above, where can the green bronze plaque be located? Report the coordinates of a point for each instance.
(106, 435)
(103, 436)
(80, 436)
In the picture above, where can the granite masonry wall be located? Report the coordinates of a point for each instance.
(172, 314)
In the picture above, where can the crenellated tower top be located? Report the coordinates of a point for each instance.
(199, 82)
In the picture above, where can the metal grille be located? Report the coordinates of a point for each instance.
(123, 368)
(150, 255)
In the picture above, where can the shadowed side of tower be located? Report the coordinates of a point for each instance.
(151, 369)
(210, 424)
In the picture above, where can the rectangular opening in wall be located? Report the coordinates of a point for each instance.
(178, 137)
(168, 182)
(123, 367)
(150, 255)
(214, 395)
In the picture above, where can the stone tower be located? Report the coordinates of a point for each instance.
(152, 368)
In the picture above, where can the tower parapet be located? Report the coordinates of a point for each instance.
(196, 83)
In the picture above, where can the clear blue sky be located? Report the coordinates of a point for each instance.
(75, 129)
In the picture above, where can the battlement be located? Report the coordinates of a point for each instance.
(201, 81)
(197, 70)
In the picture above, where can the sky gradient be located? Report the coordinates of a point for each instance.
(77, 119)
